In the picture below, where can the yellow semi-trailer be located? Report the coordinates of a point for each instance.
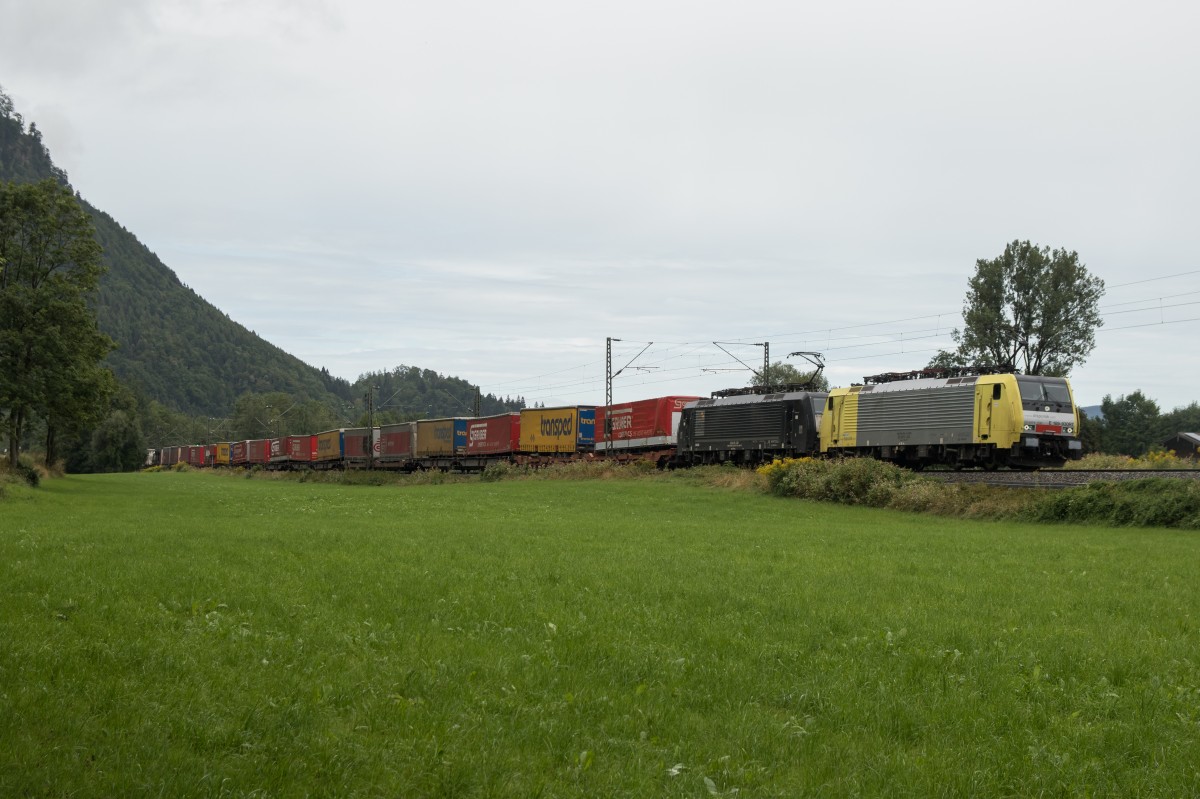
(1023, 421)
(557, 431)
(441, 438)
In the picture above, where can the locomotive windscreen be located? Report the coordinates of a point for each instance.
(1043, 389)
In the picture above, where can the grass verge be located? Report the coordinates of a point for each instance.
(191, 635)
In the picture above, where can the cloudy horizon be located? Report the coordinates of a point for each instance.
(491, 190)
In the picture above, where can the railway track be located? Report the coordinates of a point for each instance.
(1059, 478)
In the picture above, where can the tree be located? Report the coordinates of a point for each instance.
(1182, 420)
(1032, 308)
(117, 444)
(785, 374)
(49, 267)
(1132, 424)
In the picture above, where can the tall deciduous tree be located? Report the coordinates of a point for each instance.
(1033, 308)
(1132, 424)
(785, 374)
(50, 346)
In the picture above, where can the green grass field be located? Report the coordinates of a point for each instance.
(201, 635)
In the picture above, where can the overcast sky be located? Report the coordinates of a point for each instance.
(490, 189)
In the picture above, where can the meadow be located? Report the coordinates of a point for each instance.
(194, 634)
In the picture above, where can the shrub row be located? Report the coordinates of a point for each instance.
(1152, 502)
(1158, 459)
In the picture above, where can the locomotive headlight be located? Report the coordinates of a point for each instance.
(1069, 429)
(1028, 428)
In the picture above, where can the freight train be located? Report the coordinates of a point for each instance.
(914, 419)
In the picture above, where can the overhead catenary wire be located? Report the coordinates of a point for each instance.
(824, 338)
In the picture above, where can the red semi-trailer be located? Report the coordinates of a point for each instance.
(300, 449)
(293, 451)
(642, 425)
(258, 451)
(396, 444)
(494, 435)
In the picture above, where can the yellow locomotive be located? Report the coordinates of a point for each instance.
(922, 418)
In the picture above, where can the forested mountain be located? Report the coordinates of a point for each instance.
(172, 345)
(177, 349)
(409, 392)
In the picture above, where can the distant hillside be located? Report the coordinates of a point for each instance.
(176, 347)
(173, 345)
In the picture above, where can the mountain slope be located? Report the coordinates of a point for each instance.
(173, 345)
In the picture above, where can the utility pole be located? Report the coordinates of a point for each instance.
(369, 439)
(609, 375)
(478, 403)
(608, 378)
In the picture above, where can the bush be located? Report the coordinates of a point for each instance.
(28, 471)
(851, 481)
(1153, 502)
(502, 470)
(1164, 459)
(1098, 460)
(1155, 459)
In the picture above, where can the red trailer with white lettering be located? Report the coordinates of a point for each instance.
(300, 451)
(494, 435)
(644, 427)
(293, 452)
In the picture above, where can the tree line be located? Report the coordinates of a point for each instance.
(1133, 424)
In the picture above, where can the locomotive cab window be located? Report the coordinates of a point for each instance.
(1045, 390)
(997, 391)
